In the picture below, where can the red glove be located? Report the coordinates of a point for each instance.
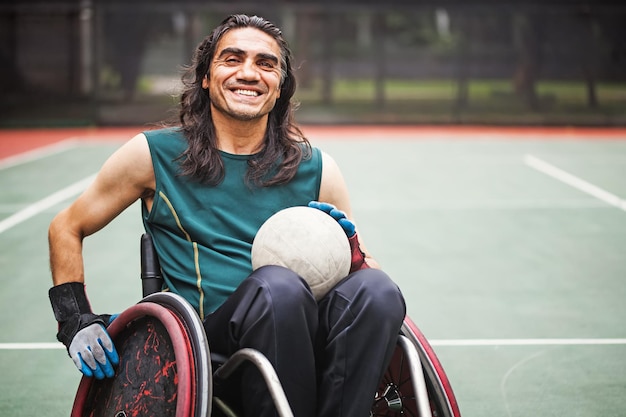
(358, 257)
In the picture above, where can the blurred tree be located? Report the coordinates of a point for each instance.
(327, 56)
(10, 77)
(612, 28)
(303, 48)
(126, 33)
(528, 36)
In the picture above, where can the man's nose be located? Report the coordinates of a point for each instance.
(248, 71)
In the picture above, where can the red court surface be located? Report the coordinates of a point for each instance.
(17, 141)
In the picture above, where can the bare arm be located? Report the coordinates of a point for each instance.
(334, 190)
(125, 177)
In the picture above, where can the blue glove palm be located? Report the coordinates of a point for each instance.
(336, 214)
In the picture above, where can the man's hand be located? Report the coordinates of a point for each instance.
(336, 214)
(93, 352)
(358, 257)
(82, 332)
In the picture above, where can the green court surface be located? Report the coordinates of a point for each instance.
(510, 250)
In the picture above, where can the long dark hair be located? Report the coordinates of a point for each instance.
(284, 143)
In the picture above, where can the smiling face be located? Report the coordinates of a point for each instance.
(245, 75)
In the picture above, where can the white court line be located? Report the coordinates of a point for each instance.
(46, 203)
(526, 342)
(484, 204)
(574, 181)
(434, 343)
(38, 153)
(31, 346)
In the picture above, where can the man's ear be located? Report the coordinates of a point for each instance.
(205, 82)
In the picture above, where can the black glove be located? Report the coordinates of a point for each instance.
(82, 332)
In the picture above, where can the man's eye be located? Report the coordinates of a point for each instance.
(266, 64)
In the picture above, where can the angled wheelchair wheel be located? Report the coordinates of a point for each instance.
(157, 374)
(201, 356)
(415, 383)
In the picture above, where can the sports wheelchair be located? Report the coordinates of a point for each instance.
(166, 367)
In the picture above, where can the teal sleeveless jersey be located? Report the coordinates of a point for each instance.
(203, 234)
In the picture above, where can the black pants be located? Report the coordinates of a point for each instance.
(329, 356)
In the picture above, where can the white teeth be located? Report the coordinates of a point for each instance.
(247, 93)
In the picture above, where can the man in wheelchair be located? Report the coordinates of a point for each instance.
(206, 186)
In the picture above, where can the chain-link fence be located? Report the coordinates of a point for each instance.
(111, 62)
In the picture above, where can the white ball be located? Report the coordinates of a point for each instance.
(309, 242)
